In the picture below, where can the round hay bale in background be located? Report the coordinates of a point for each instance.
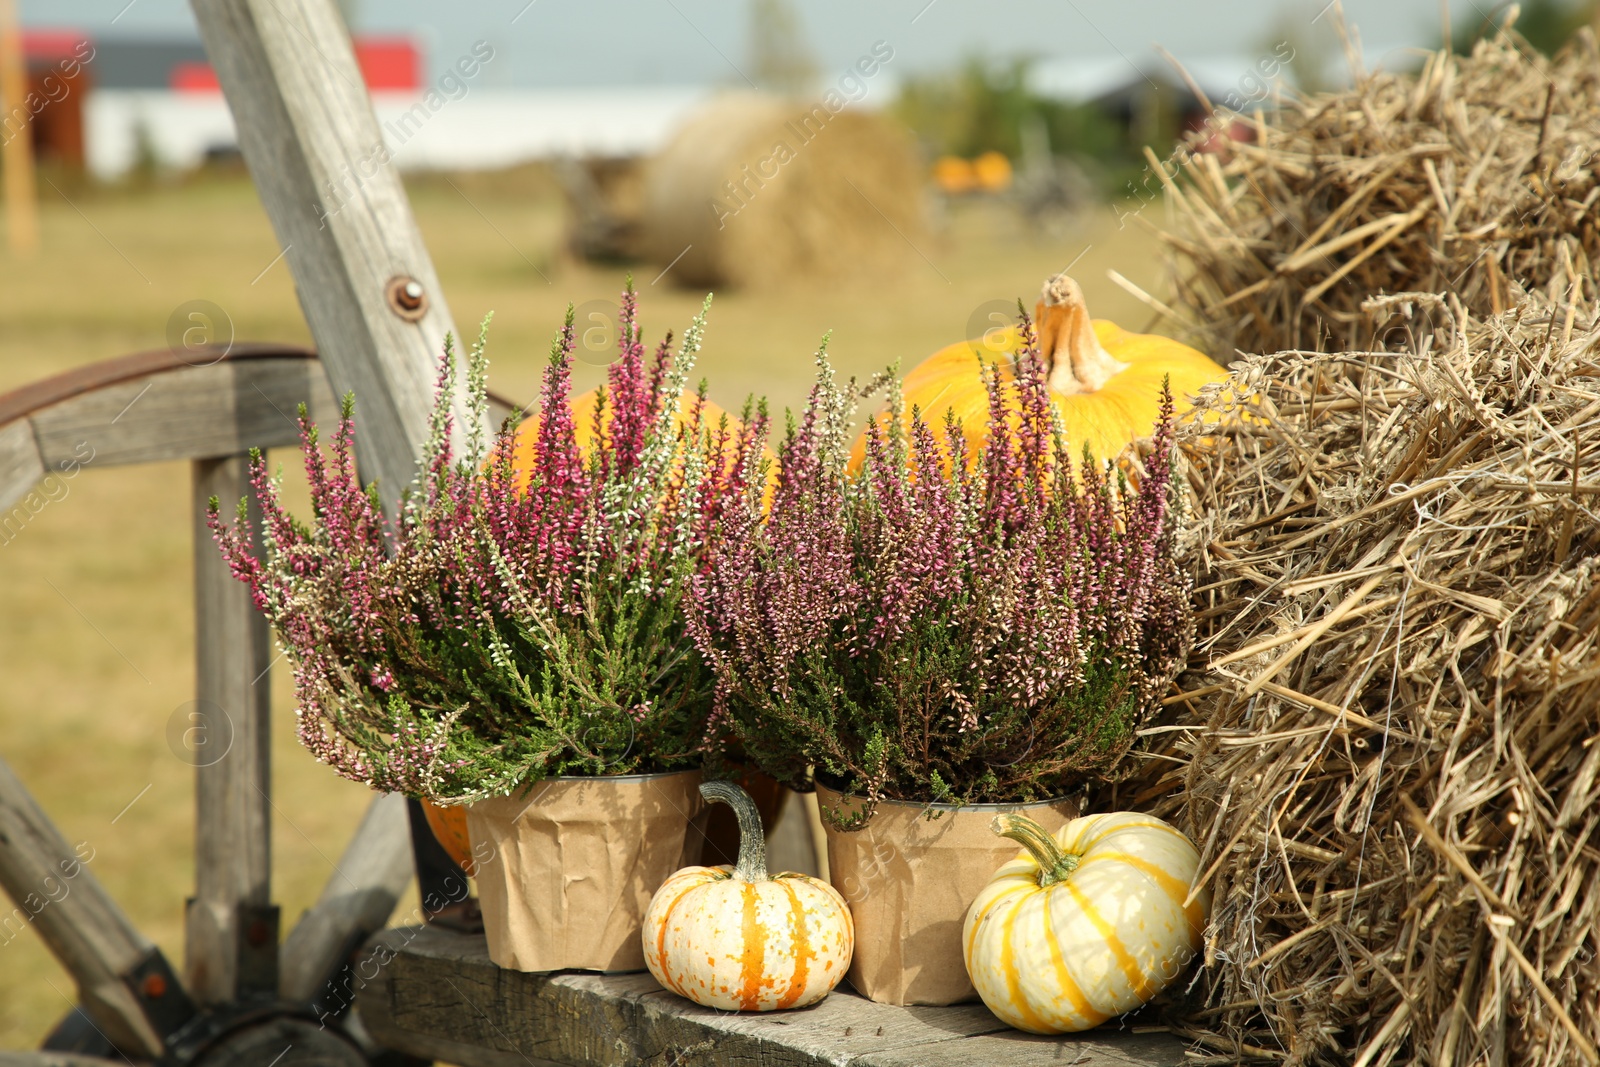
(755, 190)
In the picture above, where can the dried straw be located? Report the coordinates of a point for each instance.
(1475, 176)
(1389, 750)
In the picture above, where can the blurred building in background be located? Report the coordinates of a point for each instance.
(155, 102)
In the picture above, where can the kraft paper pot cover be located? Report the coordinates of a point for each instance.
(575, 862)
(909, 881)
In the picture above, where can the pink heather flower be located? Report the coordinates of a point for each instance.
(518, 616)
(929, 628)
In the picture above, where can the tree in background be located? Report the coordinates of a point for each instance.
(780, 58)
(986, 106)
(1545, 24)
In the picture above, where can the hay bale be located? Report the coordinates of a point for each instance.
(763, 191)
(1476, 176)
(1390, 750)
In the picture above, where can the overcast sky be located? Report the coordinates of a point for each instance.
(633, 42)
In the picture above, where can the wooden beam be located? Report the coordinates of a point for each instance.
(56, 893)
(231, 942)
(150, 408)
(435, 994)
(369, 877)
(316, 152)
(191, 413)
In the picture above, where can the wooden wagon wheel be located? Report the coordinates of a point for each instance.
(240, 999)
(374, 305)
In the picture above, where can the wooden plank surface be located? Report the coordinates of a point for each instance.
(233, 779)
(56, 893)
(434, 993)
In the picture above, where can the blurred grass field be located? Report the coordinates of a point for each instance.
(96, 630)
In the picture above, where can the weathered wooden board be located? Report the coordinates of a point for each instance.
(224, 942)
(54, 1059)
(435, 994)
(153, 407)
(196, 412)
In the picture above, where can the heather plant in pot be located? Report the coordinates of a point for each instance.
(513, 640)
(938, 633)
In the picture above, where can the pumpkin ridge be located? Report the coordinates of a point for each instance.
(1069, 984)
(755, 952)
(1027, 882)
(661, 938)
(1008, 967)
(801, 948)
(1120, 826)
(1080, 846)
(1174, 889)
(1125, 962)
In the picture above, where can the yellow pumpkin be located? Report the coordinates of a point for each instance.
(583, 432)
(583, 424)
(732, 938)
(1084, 924)
(1105, 381)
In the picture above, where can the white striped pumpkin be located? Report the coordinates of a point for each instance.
(1085, 924)
(733, 938)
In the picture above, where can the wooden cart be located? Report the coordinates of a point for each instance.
(340, 989)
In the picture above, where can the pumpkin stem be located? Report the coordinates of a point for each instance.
(752, 865)
(1054, 864)
(1078, 363)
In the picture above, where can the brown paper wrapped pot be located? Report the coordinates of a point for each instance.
(909, 881)
(575, 863)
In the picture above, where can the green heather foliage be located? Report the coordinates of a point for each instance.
(521, 618)
(944, 627)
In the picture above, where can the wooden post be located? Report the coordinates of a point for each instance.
(16, 138)
(313, 145)
(375, 308)
(232, 929)
(55, 891)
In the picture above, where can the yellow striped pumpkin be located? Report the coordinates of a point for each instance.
(1085, 924)
(730, 937)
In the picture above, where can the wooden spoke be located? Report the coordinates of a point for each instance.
(20, 467)
(232, 930)
(57, 894)
(373, 872)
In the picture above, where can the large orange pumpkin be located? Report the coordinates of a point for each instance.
(1105, 381)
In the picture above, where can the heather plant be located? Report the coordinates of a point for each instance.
(940, 626)
(519, 618)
